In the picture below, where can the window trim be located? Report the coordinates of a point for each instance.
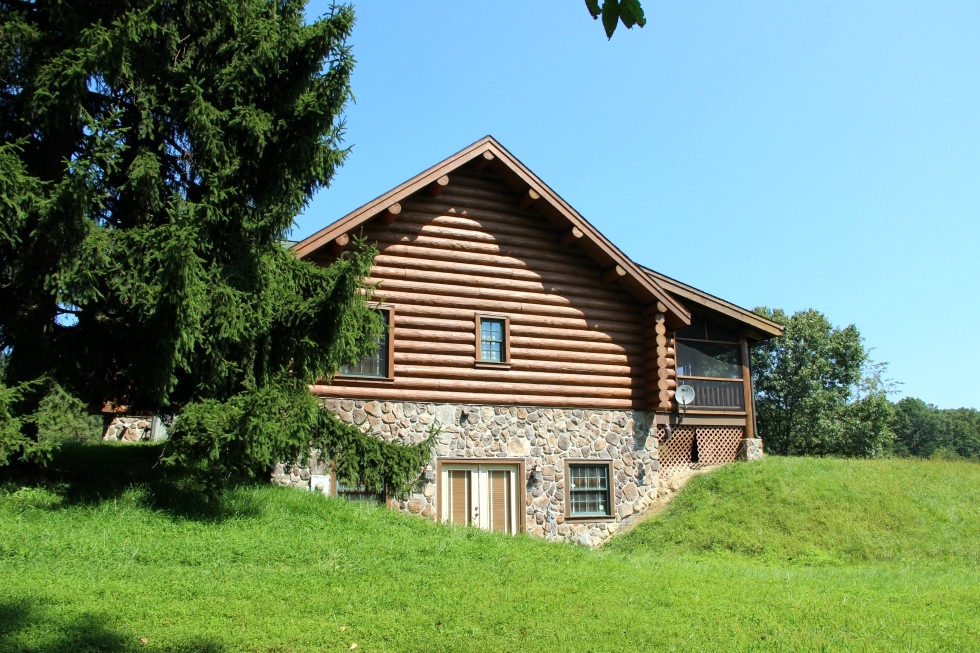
(389, 311)
(595, 462)
(505, 353)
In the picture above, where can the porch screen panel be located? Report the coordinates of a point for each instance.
(460, 497)
(500, 501)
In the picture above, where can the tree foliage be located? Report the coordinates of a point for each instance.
(817, 392)
(365, 460)
(153, 156)
(614, 12)
(219, 440)
(61, 418)
(15, 444)
(34, 436)
(925, 431)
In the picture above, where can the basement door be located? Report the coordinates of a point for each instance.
(484, 495)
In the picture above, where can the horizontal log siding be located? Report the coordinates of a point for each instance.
(574, 339)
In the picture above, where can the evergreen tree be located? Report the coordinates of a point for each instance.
(153, 156)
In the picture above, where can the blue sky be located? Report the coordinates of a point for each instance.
(815, 154)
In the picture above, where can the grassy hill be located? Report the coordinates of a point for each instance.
(784, 555)
(824, 511)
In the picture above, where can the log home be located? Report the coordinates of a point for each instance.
(546, 357)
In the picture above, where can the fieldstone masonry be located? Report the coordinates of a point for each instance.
(298, 476)
(129, 429)
(540, 436)
(750, 450)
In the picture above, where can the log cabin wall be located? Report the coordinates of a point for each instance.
(661, 363)
(468, 248)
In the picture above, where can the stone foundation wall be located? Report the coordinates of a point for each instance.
(129, 429)
(539, 436)
(135, 428)
(542, 436)
(298, 476)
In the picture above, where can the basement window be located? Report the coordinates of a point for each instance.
(590, 489)
(360, 493)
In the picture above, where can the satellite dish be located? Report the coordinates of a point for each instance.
(684, 395)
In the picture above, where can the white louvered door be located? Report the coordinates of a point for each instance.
(483, 495)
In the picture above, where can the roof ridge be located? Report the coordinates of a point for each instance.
(517, 175)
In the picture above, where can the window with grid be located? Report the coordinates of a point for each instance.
(492, 340)
(589, 494)
(375, 364)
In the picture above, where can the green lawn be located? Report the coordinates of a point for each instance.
(783, 555)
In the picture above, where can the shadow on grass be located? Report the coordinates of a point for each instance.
(94, 473)
(26, 626)
(23, 627)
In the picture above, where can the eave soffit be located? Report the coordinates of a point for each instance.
(754, 325)
(516, 175)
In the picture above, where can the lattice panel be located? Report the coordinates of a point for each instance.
(675, 454)
(718, 445)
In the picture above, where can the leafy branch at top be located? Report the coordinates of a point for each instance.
(613, 12)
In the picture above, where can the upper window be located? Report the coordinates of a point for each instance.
(589, 492)
(493, 339)
(378, 364)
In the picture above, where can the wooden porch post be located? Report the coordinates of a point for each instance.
(747, 390)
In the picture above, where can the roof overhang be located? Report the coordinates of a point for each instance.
(753, 325)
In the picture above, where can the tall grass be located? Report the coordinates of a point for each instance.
(89, 565)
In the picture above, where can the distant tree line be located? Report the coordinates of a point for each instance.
(818, 393)
(925, 431)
